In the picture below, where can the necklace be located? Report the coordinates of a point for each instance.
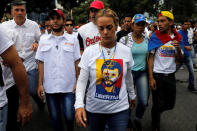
(108, 63)
(108, 51)
(137, 40)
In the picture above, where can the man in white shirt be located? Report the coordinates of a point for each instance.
(29, 34)
(88, 33)
(58, 55)
(12, 60)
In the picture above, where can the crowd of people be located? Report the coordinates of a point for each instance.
(94, 75)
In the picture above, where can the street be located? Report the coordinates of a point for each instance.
(182, 118)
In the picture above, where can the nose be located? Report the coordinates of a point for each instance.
(105, 31)
(20, 11)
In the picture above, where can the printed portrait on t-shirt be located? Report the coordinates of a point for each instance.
(108, 79)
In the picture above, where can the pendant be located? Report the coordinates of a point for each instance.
(108, 52)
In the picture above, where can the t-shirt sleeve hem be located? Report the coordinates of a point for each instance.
(6, 46)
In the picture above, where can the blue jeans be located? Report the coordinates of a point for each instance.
(141, 82)
(3, 117)
(116, 121)
(193, 54)
(33, 86)
(188, 62)
(64, 102)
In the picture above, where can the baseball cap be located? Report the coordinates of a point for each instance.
(56, 12)
(97, 5)
(167, 14)
(138, 17)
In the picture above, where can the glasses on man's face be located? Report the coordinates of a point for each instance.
(69, 24)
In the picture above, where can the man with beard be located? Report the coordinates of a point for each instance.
(58, 55)
(88, 33)
(29, 34)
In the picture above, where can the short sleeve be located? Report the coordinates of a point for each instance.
(5, 42)
(39, 54)
(37, 32)
(80, 41)
(77, 54)
(152, 51)
(122, 40)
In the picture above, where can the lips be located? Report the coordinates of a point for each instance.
(106, 38)
(160, 28)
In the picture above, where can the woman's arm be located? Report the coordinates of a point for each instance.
(80, 114)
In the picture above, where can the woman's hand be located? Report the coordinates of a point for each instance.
(80, 116)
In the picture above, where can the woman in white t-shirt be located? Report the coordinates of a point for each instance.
(139, 49)
(107, 66)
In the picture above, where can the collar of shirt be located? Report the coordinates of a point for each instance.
(24, 25)
(64, 36)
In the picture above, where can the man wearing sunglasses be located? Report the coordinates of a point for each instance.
(69, 25)
(88, 33)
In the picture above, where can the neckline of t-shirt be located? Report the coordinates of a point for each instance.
(139, 43)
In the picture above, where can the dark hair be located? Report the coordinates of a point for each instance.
(18, 2)
(170, 20)
(121, 22)
(68, 19)
(185, 20)
(47, 18)
(127, 15)
(54, 13)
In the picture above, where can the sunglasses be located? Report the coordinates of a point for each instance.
(69, 24)
(141, 24)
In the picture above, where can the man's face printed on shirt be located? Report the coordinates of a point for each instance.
(111, 72)
(108, 78)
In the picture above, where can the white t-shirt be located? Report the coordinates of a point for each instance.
(89, 33)
(164, 59)
(29, 33)
(5, 43)
(103, 96)
(7, 74)
(59, 55)
(190, 35)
